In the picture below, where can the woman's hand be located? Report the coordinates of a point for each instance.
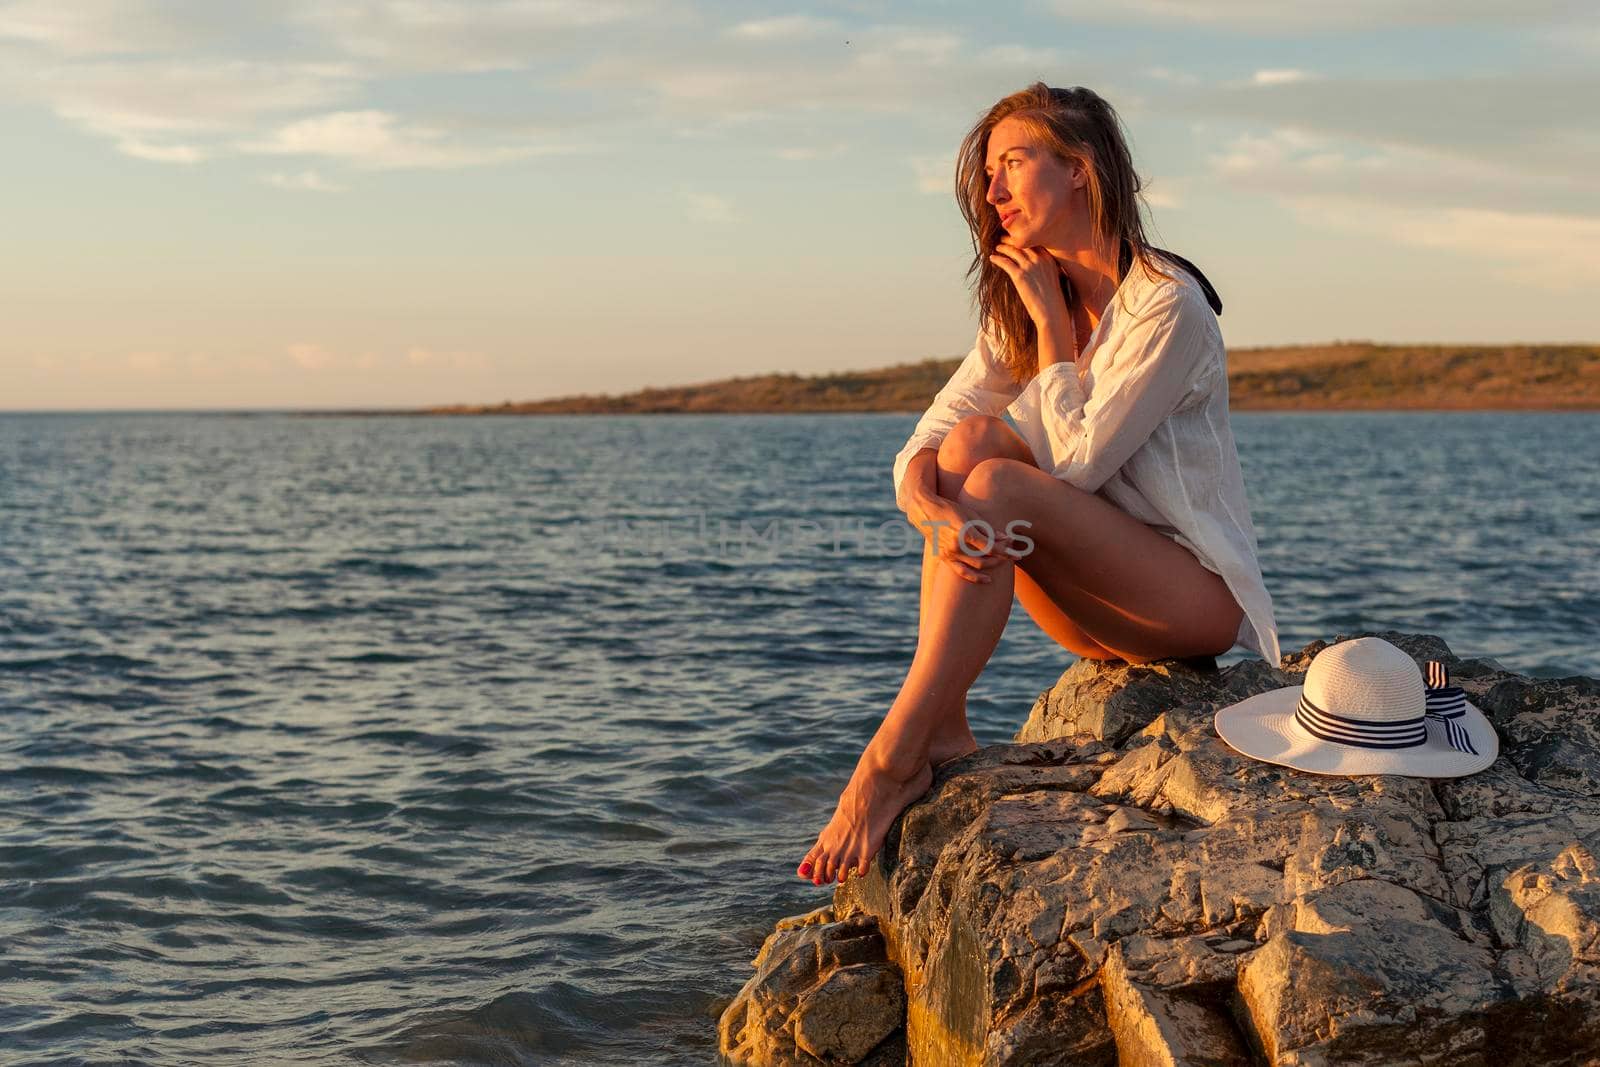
(1037, 278)
(940, 521)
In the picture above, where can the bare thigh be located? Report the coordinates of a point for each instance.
(1057, 624)
(1131, 589)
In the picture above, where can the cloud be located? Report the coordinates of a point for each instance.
(710, 208)
(1019, 55)
(184, 81)
(783, 28)
(928, 46)
(885, 70)
(310, 356)
(189, 111)
(1278, 77)
(305, 181)
(1549, 251)
(1164, 194)
(151, 363)
(1417, 197)
(1289, 161)
(439, 35)
(1253, 155)
(102, 27)
(804, 153)
(380, 140)
(1175, 77)
(161, 153)
(1535, 131)
(1276, 16)
(122, 98)
(316, 357)
(177, 111)
(188, 81)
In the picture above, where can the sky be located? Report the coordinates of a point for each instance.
(392, 203)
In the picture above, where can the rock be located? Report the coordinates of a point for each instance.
(824, 992)
(1120, 886)
(1165, 1027)
(1110, 703)
(1364, 971)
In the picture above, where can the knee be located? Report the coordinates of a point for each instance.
(992, 481)
(973, 440)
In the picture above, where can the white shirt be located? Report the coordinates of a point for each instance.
(1145, 427)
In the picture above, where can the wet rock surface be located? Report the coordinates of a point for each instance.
(1122, 887)
(824, 992)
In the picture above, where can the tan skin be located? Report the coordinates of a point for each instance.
(1101, 583)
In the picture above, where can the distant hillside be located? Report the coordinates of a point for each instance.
(1359, 375)
(1342, 376)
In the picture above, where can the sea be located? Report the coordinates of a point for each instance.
(496, 740)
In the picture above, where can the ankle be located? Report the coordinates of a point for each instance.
(900, 763)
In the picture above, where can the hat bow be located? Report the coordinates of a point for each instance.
(1446, 705)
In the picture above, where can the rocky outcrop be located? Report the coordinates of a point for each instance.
(1123, 887)
(824, 992)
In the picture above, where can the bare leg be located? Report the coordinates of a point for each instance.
(958, 637)
(1056, 623)
(1135, 592)
(952, 735)
(927, 724)
(1100, 582)
(970, 443)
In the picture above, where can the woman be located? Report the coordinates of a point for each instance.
(1117, 506)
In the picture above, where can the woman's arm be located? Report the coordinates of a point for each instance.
(980, 386)
(1156, 362)
(920, 481)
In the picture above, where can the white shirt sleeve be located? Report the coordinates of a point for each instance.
(1155, 363)
(980, 386)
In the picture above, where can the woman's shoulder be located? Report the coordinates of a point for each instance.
(1169, 284)
(1173, 279)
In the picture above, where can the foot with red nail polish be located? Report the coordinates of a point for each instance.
(872, 800)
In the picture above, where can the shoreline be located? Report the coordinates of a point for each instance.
(1506, 409)
(1303, 409)
(1343, 376)
(1338, 377)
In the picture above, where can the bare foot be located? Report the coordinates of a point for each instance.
(867, 808)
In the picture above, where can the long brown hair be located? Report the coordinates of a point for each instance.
(1078, 126)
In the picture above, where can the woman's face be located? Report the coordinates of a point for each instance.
(1030, 187)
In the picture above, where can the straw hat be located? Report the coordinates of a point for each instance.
(1365, 708)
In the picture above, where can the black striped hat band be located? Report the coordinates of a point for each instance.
(1364, 733)
(1445, 704)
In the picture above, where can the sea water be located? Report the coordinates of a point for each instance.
(496, 740)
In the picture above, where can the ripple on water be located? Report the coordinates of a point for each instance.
(385, 568)
(79, 663)
(323, 741)
(559, 1020)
